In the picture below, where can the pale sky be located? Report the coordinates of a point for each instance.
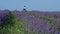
(42, 5)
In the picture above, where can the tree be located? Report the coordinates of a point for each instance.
(10, 19)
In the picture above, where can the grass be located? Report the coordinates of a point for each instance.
(17, 28)
(12, 25)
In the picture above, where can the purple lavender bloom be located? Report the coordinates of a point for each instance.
(35, 24)
(3, 15)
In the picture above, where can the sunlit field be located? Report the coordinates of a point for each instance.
(33, 22)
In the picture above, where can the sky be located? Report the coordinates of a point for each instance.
(42, 5)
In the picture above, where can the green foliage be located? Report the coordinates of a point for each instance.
(7, 24)
(58, 29)
(17, 28)
(9, 19)
(13, 26)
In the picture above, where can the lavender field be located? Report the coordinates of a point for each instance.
(29, 22)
